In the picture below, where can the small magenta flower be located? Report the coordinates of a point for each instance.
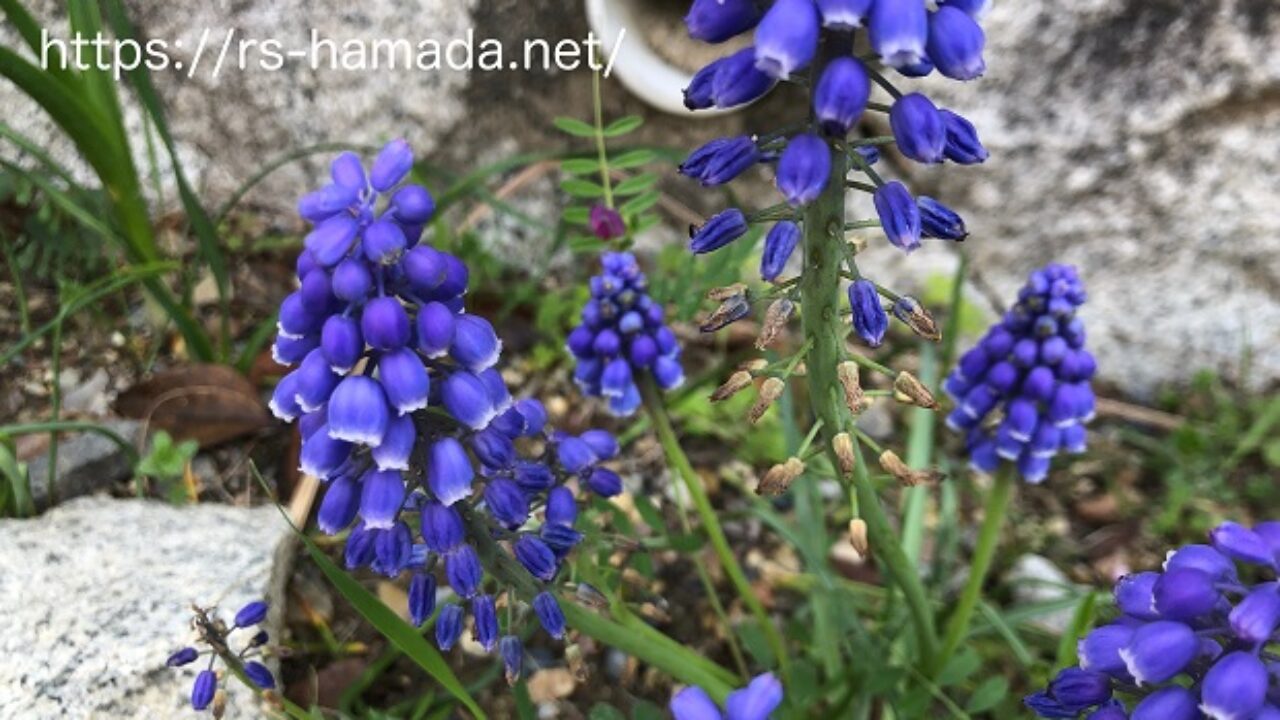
(779, 244)
(955, 44)
(870, 320)
(787, 37)
(720, 230)
(715, 21)
(919, 128)
(900, 216)
(606, 223)
(804, 169)
(841, 96)
(756, 701)
(899, 32)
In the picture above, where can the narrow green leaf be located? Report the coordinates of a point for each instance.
(18, 484)
(632, 159)
(1081, 621)
(580, 166)
(636, 184)
(601, 711)
(622, 126)
(578, 187)
(645, 710)
(959, 668)
(575, 127)
(399, 632)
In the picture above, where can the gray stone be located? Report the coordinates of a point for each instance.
(1035, 579)
(1138, 140)
(87, 462)
(96, 593)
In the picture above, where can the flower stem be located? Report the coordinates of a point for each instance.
(598, 107)
(824, 222)
(710, 522)
(988, 538)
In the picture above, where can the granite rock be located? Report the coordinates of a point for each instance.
(96, 593)
(87, 462)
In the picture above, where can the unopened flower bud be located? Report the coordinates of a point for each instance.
(907, 389)
(780, 476)
(800, 370)
(854, 398)
(770, 391)
(843, 446)
(892, 464)
(738, 381)
(858, 536)
(915, 316)
(775, 319)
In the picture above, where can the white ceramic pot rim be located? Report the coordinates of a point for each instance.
(638, 67)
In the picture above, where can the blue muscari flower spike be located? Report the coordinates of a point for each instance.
(392, 367)
(756, 701)
(1034, 367)
(623, 338)
(787, 37)
(1171, 634)
(715, 21)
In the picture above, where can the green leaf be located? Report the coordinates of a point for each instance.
(578, 187)
(399, 632)
(640, 203)
(645, 710)
(574, 127)
(632, 159)
(578, 215)
(622, 126)
(580, 166)
(988, 695)
(17, 484)
(583, 244)
(637, 184)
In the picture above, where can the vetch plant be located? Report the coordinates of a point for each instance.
(1190, 641)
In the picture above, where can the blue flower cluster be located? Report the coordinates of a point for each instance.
(756, 701)
(215, 634)
(1191, 642)
(1033, 367)
(404, 416)
(903, 35)
(622, 336)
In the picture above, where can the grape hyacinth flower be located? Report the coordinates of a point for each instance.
(817, 38)
(1031, 372)
(622, 337)
(1190, 641)
(218, 639)
(428, 460)
(756, 701)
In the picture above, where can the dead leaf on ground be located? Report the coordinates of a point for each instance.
(208, 403)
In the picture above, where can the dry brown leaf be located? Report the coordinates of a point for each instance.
(208, 403)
